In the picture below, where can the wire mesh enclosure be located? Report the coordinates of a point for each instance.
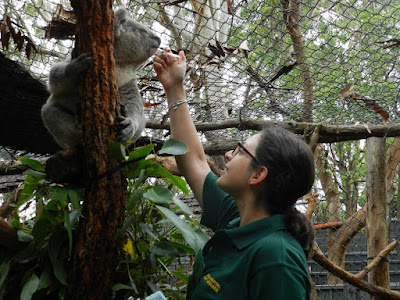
(321, 64)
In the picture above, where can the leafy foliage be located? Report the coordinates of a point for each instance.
(159, 235)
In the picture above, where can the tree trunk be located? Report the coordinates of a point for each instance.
(332, 213)
(377, 213)
(96, 250)
(291, 17)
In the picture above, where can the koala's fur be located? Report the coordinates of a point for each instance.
(134, 43)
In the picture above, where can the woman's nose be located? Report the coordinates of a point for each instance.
(228, 155)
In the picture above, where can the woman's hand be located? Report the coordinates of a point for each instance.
(170, 70)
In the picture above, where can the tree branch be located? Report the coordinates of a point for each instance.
(327, 133)
(319, 257)
(378, 259)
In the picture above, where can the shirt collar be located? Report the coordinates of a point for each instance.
(243, 236)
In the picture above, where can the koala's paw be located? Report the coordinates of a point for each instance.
(80, 64)
(126, 129)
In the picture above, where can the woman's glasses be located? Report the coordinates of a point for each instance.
(240, 146)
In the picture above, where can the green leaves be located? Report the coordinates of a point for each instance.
(54, 252)
(195, 240)
(135, 170)
(159, 194)
(174, 147)
(4, 269)
(32, 163)
(24, 237)
(154, 239)
(30, 287)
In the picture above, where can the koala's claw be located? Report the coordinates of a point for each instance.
(81, 64)
(125, 129)
(123, 110)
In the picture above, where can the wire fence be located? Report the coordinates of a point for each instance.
(331, 63)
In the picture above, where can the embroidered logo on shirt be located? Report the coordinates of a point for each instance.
(212, 283)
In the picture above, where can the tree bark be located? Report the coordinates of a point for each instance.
(291, 17)
(95, 257)
(377, 212)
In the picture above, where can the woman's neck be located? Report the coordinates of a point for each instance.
(250, 211)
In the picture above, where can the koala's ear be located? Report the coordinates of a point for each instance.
(119, 18)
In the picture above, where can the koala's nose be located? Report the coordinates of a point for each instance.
(158, 40)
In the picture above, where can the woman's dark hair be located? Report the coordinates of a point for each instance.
(291, 173)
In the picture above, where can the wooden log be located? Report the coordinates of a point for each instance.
(377, 210)
(327, 133)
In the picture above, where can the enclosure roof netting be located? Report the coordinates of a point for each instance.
(330, 62)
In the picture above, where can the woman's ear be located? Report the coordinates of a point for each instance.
(258, 176)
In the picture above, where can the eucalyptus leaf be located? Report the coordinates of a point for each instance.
(73, 217)
(36, 174)
(174, 147)
(158, 194)
(190, 236)
(75, 196)
(146, 228)
(32, 163)
(182, 276)
(67, 224)
(142, 246)
(119, 286)
(4, 269)
(141, 152)
(27, 192)
(183, 206)
(46, 278)
(128, 222)
(134, 199)
(141, 178)
(30, 287)
(156, 170)
(54, 245)
(61, 195)
(164, 248)
(133, 169)
(117, 150)
(24, 237)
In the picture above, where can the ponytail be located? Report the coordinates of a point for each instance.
(300, 228)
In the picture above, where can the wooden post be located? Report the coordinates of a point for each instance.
(377, 211)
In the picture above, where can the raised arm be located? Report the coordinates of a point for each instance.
(193, 165)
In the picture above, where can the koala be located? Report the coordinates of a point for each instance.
(134, 43)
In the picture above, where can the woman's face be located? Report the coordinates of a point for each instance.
(235, 178)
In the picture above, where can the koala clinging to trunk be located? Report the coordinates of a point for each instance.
(134, 43)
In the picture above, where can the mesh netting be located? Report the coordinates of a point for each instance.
(328, 62)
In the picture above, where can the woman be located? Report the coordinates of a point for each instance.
(261, 241)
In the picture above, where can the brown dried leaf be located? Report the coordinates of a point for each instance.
(347, 91)
(230, 8)
(5, 40)
(8, 21)
(218, 51)
(29, 41)
(28, 50)
(20, 43)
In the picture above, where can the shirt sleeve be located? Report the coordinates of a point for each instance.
(278, 282)
(219, 208)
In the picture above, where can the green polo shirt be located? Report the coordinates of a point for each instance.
(260, 260)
